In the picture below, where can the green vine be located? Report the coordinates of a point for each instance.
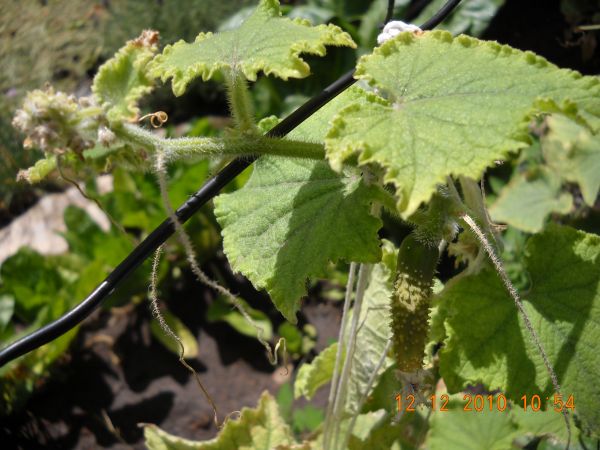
(433, 110)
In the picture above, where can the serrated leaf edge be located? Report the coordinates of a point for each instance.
(332, 35)
(265, 411)
(519, 139)
(147, 52)
(279, 298)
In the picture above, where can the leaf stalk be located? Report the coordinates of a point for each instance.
(186, 147)
(240, 103)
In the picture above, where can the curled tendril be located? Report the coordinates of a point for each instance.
(157, 119)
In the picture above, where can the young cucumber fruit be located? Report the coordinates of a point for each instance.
(410, 301)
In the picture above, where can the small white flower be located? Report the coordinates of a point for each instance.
(393, 29)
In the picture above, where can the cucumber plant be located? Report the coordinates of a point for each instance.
(431, 113)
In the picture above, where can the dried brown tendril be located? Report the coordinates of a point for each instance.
(157, 119)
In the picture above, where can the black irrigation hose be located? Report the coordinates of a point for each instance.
(160, 234)
(390, 11)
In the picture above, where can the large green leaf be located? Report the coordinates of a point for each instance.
(123, 80)
(290, 219)
(487, 339)
(264, 42)
(453, 106)
(256, 429)
(295, 215)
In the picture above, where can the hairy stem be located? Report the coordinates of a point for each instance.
(519, 304)
(178, 148)
(240, 103)
(476, 204)
(167, 329)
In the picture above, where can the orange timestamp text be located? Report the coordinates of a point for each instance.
(479, 402)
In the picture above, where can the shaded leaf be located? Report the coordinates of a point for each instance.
(385, 433)
(292, 218)
(7, 308)
(470, 17)
(573, 152)
(31, 280)
(487, 339)
(307, 419)
(292, 336)
(285, 401)
(526, 202)
(457, 429)
(86, 238)
(222, 310)
(541, 423)
(383, 395)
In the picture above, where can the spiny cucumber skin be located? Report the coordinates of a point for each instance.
(410, 302)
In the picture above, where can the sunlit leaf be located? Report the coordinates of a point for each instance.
(264, 42)
(124, 79)
(452, 106)
(261, 428)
